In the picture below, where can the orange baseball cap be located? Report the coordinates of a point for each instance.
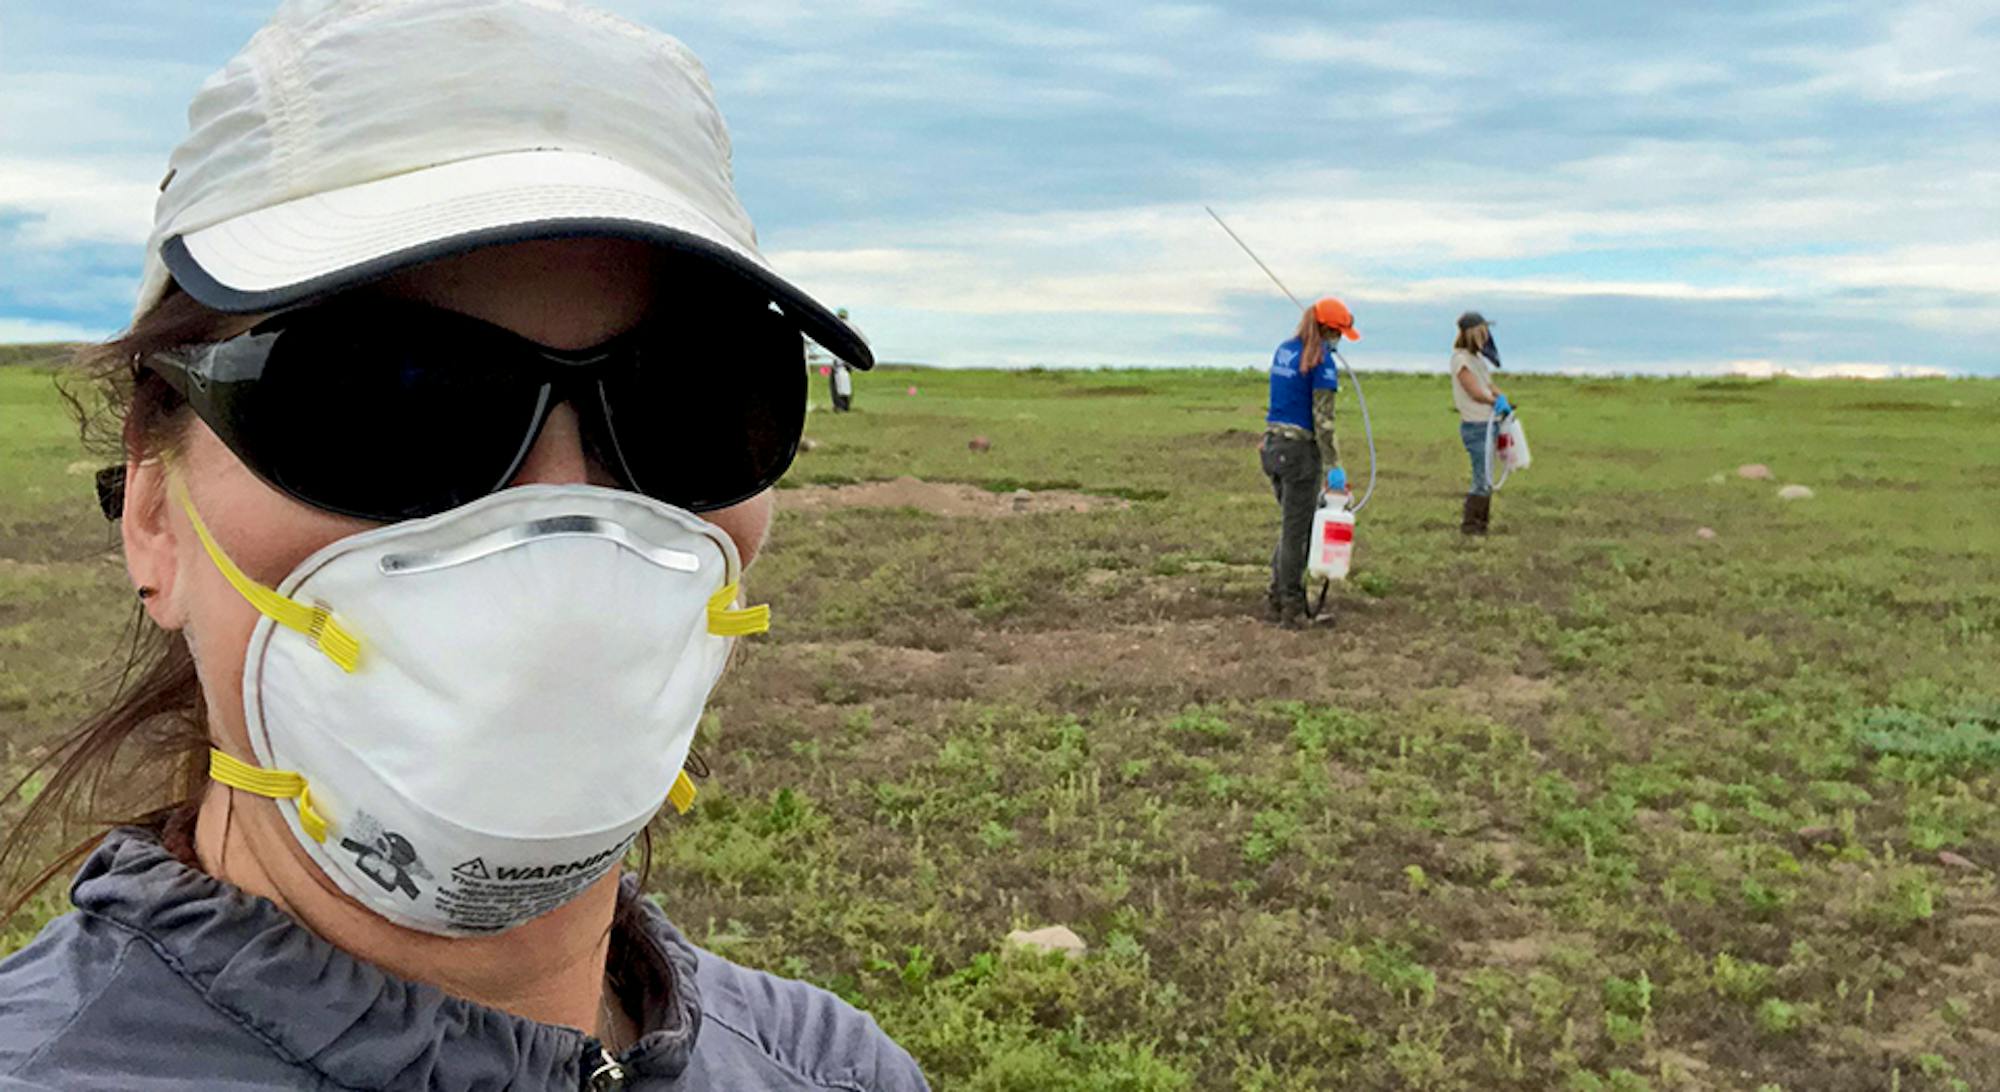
(1332, 312)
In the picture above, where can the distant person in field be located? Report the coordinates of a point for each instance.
(842, 383)
(820, 362)
(840, 378)
(1473, 356)
(1298, 452)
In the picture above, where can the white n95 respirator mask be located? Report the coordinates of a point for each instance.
(468, 719)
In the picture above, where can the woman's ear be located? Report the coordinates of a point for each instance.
(152, 554)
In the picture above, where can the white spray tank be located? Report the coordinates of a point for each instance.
(1512, 444)
(1332, 540)
(1506, 448)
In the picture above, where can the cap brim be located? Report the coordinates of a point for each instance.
(296, 251)
(1351, 334)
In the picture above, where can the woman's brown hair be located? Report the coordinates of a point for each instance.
(1467, 339)
(1312, 342)
(137, 759)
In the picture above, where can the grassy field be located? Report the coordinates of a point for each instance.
(1527, 818)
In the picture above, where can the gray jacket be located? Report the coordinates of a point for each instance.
(167, 979)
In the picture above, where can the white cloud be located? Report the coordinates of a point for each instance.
(1026, 31)
(48, 111)
(1970, 267)
(1442, 289)
(778, 19)
(862, 262)
(1429, 48)
(75, 201)
(1172, 260)
(1326, 47)
(1662, 77)
(1766, 369)
(1925, 51)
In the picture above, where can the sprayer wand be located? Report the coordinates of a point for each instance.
(1367, 426)
(1255, 258)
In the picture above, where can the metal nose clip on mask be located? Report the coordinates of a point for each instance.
(467, 719)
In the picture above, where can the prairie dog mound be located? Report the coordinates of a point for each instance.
(943, 499)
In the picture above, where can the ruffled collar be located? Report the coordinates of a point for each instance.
(359, 1026)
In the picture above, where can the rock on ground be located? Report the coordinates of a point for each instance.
(1756, 472)
(1795, 492)
(1706, 534)
(1055, 938)
(979, 443)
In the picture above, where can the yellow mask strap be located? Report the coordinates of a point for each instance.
(274, 784)
(317, 623)
(726, 619)
(681, 796)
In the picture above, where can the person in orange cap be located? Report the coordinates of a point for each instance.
(1298, 452)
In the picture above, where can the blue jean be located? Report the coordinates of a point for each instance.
(1474, 435)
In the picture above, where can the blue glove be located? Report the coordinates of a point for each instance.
(1501, 406)
(1336, 480)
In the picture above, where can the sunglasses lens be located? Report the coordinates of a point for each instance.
(384, 419)
(710, 415)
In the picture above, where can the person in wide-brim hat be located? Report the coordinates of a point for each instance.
(447, 427)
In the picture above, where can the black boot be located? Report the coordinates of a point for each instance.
(1478, 510)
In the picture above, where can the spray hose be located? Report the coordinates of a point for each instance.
(1493, 454)
(1367, 429)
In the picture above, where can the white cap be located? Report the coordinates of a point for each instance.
(350, 140)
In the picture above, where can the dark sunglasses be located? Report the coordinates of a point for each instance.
(389, 410)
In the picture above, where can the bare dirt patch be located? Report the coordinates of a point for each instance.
(1513, 692)
(1237, 437)
(945, 499)
(1523, 951)
(1901, 407)
(1118, 391)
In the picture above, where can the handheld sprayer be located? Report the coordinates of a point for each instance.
(1506, 448)
(1367, 426)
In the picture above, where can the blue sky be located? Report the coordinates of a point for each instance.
(1786, 186)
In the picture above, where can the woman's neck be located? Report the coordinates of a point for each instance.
(550, 970)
